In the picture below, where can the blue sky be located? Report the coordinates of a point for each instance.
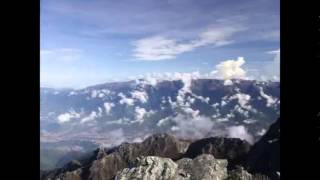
(88, 42)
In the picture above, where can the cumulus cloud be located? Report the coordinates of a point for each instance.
(125, 100)
(140, 95)
(99, 93)
(243, 100)
(66, 117)
(228, 82)
(72, 93)
(94, 93)
(93, 115)
(162, 48)
(108, 107)
(140, 114)
(191, 112)
(240, 132)
(230, 69)
(226, 70)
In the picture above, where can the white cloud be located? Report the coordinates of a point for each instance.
(240, 132)
(242, 111)
(125, 100)
(228, 82)
(101, 95)
(94, 93)
(161, 48)
(72, 93)
(243, 100)
(223, 102)
(66, 117)
(161, 122)
(141, 113)
(249, 121)
(108, 107)
(140, 95)
(261, 132)
(116, 136)
(196, 127)
(99, 111)
(93, 115)
(190, 111)
(230, 69)
(270, 100)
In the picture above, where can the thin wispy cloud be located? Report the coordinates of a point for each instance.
(62, 54)
(161, 48)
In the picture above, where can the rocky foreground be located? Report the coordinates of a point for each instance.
(164, 157)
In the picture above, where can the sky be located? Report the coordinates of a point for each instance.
(90, 42)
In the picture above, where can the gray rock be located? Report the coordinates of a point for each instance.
(150, 168)
(204, 167)
(241, 174)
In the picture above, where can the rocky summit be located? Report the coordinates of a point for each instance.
(204, 167)
(165, 157)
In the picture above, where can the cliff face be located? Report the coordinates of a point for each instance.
(264, 156)
(232, 149)
(165, 157)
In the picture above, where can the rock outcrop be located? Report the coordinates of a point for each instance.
(204, 167)
(232, 149)
(150, 168)
(105, 163)
(239, 173)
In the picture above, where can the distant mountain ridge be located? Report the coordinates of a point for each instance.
(140, 106)
(111, 113)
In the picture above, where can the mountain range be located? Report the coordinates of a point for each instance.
(76, 121)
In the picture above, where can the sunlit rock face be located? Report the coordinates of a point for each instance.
(204, 167)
